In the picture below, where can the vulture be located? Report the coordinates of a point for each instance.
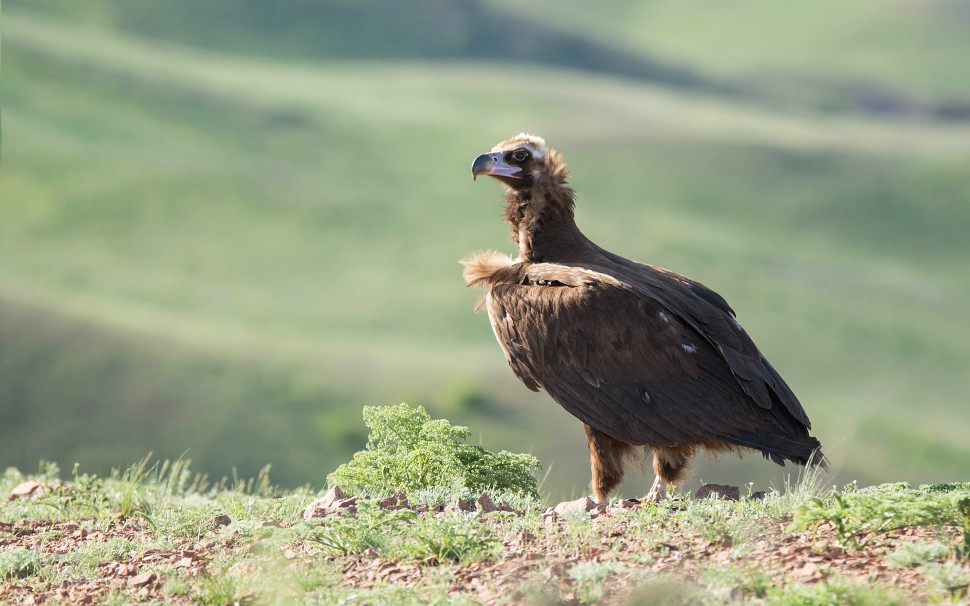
(647, 359)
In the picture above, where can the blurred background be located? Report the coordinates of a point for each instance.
(227, 226)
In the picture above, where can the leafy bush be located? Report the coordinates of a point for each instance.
(407, 450)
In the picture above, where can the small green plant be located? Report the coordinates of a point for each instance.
(591, 579)
(746, 578)
(833, 593)
(454, 537)
(407, 450)
(131, 499)
(371, 528)
(919, 553)
(963, 549)
(860, 514)
(948, 578)
(19, 563)
(218, 590)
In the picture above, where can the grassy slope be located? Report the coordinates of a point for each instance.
(258, 213)
(922, 47)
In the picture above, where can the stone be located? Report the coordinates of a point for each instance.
(395, 501)
(25, 489)
(221, 520)
(334, 500)
(459, 505)
(333, 495)
(578, 506)
(349, 505)
(141, 580)
(728, 493)
(486, 504)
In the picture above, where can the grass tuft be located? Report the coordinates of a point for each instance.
(19, 563)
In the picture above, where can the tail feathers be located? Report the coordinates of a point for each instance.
(777, 448)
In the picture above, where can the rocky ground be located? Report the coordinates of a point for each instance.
(574, 553)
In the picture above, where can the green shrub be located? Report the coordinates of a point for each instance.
(407, 450)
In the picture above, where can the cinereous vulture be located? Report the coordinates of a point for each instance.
(644, 357)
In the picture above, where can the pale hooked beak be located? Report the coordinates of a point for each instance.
(493, 165)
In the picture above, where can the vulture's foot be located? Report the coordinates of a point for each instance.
(658, 492)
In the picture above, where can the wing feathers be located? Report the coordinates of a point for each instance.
(640, 363)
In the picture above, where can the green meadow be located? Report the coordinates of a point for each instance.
(226, 246)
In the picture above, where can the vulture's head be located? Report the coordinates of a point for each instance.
(522, 163)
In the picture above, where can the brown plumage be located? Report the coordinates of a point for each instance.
(643, 356)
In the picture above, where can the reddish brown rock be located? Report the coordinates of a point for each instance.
(141, 580)
(459, 505)
(334, 501)
(578, 506)
(486, 504)
(29, 488)
(395, 501)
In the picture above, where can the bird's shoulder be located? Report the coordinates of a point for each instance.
(491, 268)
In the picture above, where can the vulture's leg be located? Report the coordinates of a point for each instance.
(658, 492)
(670, 465)
(606, 461)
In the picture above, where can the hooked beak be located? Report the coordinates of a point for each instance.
(491, 164)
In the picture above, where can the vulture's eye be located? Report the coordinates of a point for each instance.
(520, 155)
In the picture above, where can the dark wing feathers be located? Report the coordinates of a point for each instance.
(710, 315)
(645, 363)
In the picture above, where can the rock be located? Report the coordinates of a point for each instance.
(315, 510)
(141, 580)
(332, 502)
(757, 496)
(333, 495)
(221, 520)
(728, 493)
(578, 506)
(486, 504)
(349, 505)
(459, 505)
(29, 488)
(395, 501)
(628, 503)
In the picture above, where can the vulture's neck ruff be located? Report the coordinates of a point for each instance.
(539, 203)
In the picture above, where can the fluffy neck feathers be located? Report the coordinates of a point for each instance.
(541, 216)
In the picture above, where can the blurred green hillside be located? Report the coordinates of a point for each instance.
(226, 229)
